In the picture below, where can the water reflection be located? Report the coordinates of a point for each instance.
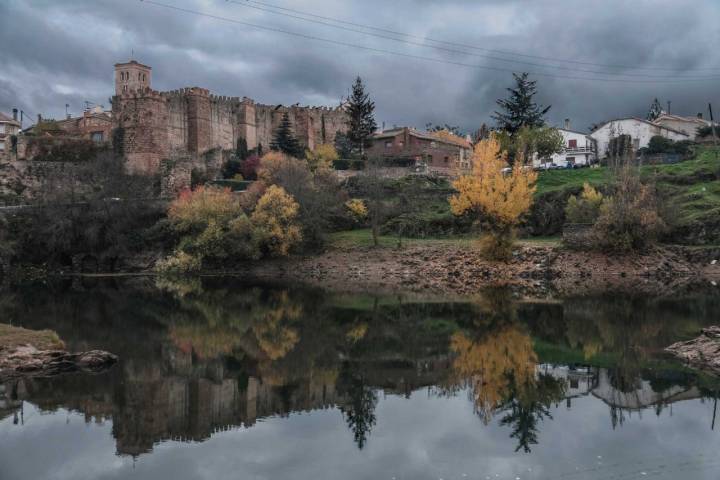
(199, 358)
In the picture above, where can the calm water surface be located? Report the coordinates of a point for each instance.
(224, 380)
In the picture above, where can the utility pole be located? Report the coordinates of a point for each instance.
(712, 125)
(669, 102)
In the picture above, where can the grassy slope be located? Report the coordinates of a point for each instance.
(691, 188)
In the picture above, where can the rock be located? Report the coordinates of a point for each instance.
(702, 352)
(28, 361)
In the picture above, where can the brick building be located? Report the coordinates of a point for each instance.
(151, 126)
(438, 152)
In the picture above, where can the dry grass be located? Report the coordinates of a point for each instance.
(11, 337)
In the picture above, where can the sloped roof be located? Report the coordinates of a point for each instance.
(5, 119)
(642, 120)
(669, 116)
(433, 136)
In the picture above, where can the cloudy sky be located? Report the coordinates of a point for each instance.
(593, 60)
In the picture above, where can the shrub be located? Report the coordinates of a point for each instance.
(629, 219)
(275, 222)
(341, 164)
(179, 263)
(496, 246)
(585, 209)
(357, 208)
(323, 157)
(193, 210)
(249, 167)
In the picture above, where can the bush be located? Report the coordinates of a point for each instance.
(629, 219)
(341, 164)
(497, 245)
(585, 209)
(275, 222)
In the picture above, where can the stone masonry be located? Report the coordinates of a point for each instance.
(151, 126)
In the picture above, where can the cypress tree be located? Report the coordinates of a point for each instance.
(655, 110)
(284, 139)
(361, 121)
(519, 110)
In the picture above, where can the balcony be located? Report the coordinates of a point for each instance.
(578, 150)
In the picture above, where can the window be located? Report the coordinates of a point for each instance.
(571, 160)
(96, 137)
(401, 144)
(2, 146)
(388, 144)
(433, 144)
(447, 159)
(636, 143)
(2, 128)
(124, 88)
(572, 143)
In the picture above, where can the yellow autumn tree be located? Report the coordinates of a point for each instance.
(497, 196)
(322, 157)
(275, 222)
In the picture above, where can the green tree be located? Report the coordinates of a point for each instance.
(361, 121)
(519, 110)
(284, 139)
(655, 110)
(343, 145)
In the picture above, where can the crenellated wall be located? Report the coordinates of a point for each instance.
(150, 126)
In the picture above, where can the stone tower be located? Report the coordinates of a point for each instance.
(131, 76)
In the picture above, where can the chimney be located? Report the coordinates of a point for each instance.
(567, 124)
(15, 114)
(699, 115)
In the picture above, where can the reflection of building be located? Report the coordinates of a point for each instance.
(578, 381)
(642, 396)
(598, 382)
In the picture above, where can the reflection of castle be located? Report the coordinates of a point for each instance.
(182, 400)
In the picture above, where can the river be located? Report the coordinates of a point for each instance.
(221, 379)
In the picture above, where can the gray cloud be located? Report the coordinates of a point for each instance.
(62, 52)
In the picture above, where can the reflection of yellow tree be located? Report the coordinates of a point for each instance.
(492, 364)
(273, 335)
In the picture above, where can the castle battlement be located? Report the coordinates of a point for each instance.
(192, 120)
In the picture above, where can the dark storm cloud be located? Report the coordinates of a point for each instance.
(55, 53)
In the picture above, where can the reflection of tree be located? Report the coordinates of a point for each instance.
(274, 335)
(492, 365)
(359, 412)
(529, 405)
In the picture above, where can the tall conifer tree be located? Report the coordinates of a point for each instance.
(284, 139)
(361, 121)
(519, 110)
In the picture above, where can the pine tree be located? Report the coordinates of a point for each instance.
(284, 139)
(361, 122)
(655, 110)
(519, 110)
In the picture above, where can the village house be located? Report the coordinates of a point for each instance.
(687, 125)
(437, 152)
(579, 149)
(9, 128)
(639, 130)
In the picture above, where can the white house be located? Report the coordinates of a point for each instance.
(688, 125)
(579, 149)
(640, 131)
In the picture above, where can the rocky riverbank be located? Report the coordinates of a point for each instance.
(453, 269)
(26, 353)
(702, 352)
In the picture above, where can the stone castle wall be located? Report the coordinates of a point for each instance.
(150, 126)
